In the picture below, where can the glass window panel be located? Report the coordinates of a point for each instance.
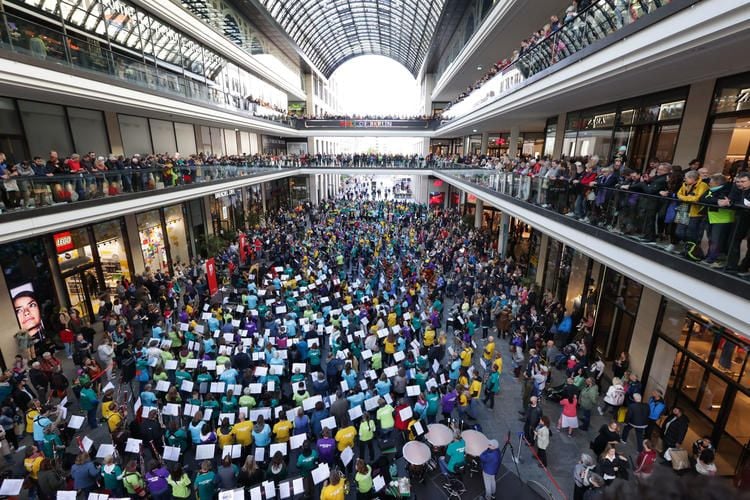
(674, 323)
(46, 128)
(185, 138)
(178, 242)
(9, 122)
(701, 340)
(738, 425)
(693, 379)
(162, 136)
(728, 144)
(89, 130)
(713, 396)
(136, 137)
(730, 356)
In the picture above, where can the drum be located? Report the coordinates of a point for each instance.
(417, 455)
(476, 443)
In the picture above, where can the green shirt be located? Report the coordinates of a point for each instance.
(366, 430)
(456, 453)
(385, 417)
(205, 485)
(307, 463)
(364, 481)
(111, 481)
(181, 487)
(88, 399)
(51, 441)
(377, 361)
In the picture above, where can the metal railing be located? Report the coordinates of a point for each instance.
(701, 231)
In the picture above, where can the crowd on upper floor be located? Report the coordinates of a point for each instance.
(626, 12)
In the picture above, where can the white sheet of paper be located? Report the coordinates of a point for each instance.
(205, 451)
(276, 447)
(11, 487)
(260, 454)
(171, 453)
(390, 371)
(355, 413)
(269, 488)
(162, 385)
(320, 474)
(398, 356)
(329, 422)
(133, 445)
(285, 490)
(76, 421)
(103, 451)
(412, 390)
(418, 428)
(66, 495)
(372, 403)
(86, 442)
(347, 455)
(256, 493)
(378, 483)
(405, 413)
(297, 441)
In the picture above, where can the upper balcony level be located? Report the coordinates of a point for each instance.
(604, 54)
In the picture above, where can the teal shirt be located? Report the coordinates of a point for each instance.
(88, 399)
(205, 485)
(456, 453)
(306, 464)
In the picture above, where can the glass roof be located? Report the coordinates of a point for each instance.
(333, 31)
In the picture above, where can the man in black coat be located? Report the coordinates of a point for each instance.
(649, 205)
(636, 419)
(674, 429)
(532, 418)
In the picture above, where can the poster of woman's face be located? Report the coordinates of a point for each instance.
(28, 312)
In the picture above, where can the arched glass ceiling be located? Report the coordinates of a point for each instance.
(330, 32)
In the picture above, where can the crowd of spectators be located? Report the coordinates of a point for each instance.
(557, 49)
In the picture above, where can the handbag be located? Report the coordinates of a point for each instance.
(681, 215)
(679, 458)
(622, 412)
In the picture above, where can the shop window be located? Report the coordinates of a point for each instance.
(152, 241)
(9, 123)
(136, 138)
(729, 144)
(112, 253)
(701, 340)
(46, 128)
(73, 249)
(89, 131)
(738, 425)
(178, 241)
(692, 379)
(713, 396)
(163, 137)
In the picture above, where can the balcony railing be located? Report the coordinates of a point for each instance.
(46, 45)
(703, 233)
(598, 21)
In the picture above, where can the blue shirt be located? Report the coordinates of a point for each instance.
(490, 461)
(40, 423)
(262, 438)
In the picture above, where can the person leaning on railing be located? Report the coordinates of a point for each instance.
(739, 197)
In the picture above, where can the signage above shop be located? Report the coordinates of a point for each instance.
(222, 194)
(63, 241)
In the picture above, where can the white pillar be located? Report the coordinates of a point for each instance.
(515, 133)
(694, 118)
(557, 150)
(312, 188)
(478, 213)
(502, 237)
(485, 143)
(543, 244)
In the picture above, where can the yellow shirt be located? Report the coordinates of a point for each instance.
(489, 351)
(345, 438)
(243, 432)
(113, 421)
(390, 347)
(225, 439)
(281, 430)
(466, 357)
(429, 337)
(333, 492)
(498, 365)
(32, 466)
(475, 389)
(30, 416)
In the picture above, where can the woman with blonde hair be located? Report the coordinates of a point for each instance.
(250, 474)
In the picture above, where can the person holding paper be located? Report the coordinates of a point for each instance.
(205, 482)
(261, 433)
(384, 415)
(227, 474)
(319, 414)
(345, 439)
(306, 462)
(156, 481)
(225, 434)
(243, 432)
(277, 470)
(250, 474)
(326, 446)
(84, 474)
(335, 487)
(179, 482)
(283, 428)
(367, 435)
(177, 436)
(363, 478)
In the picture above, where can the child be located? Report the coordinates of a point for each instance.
(19, 368)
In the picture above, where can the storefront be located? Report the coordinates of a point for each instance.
(702, 368)
(152, 241)
(253, 204)
(647, 126)
(179, 248)
(727, 144)
(550, 133)
(298, 189)
(446, 147)
(227, 213)
(277, 194)
(113, 255)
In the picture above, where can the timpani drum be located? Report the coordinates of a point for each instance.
(476, 443)
(439, 436)
(416, 454)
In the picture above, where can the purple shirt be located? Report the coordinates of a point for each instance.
(326, 449)
(449, 401)
(157, 480)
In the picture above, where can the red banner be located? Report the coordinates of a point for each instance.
(213, 287)
(243, 248)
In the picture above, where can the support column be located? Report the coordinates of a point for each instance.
(543, 246)
(484, 143)
(263, 199)
(694, 119)
(502, 237)
(478, 213)
(131, 226)
(515, 133)
(645, 321)
(557, 150)
(312, 189)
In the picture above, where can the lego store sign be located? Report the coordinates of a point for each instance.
(63, 241)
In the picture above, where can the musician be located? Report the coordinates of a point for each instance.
(52, 446)
(152, 432)
(114, 416)
(156, 481)
(133, 481)
(111, 473)
(176, 436)
(455, 456)
(50, 481)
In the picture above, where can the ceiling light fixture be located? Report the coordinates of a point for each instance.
(474, 130)
(479, 68)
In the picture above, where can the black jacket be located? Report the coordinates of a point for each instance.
(638, 414)
(533, 416)
(653, 187)
(675, 429)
